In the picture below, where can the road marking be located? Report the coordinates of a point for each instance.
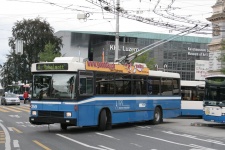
(107, 136)
(41, 145)
(11, 109)
(181, 144)
(2, 137)
(10, 129)
(197, 147)
(16, 143)
(83, 144)
(14, 129)
(14, 116)
(194, 137)
(17, 130)
(7, 138)
(107, 148)
(26, 109)
(3, 110)
(144, 127)
(136, 144)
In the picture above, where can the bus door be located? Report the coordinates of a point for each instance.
(86, 83)
(86, 107)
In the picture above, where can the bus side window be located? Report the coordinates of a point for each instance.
(82, 86)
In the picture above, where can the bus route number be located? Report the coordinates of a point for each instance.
(34, 106)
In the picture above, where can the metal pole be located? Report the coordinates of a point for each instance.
(117, 30)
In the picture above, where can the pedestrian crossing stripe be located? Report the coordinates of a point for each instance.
(2, 137)
(11, 109)
(27, 109)
(3, 110)
(14, 109)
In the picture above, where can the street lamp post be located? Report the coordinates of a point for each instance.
(18, 51)
(117, 30)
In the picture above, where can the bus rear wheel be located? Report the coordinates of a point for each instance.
(157, 116)
(102, 120)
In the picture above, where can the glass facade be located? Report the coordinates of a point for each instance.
(178, 55)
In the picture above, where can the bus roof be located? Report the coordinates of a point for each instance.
(212, 76)
(192, 83)
(155, 73)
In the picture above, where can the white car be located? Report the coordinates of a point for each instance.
(10, 98)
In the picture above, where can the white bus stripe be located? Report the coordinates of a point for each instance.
(108, 98)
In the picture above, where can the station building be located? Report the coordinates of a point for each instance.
(180, 55)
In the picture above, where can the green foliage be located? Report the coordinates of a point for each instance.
(49, 54)
(144, 58)
(35, 34)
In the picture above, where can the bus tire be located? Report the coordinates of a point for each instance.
(102, 120)
(157, 116)
(63, 126)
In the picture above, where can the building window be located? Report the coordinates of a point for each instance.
(165, 55)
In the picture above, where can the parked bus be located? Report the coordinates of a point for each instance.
(18, 89)
(214, 100)
(192, 93)
(101, 94)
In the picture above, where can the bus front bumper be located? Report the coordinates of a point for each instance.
(47, 120)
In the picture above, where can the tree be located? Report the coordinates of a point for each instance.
(6, 74)
(35, 34)
(49, 54)
(145, 59)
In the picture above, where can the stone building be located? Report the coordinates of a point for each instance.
(218, 35)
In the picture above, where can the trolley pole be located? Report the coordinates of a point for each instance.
(117, 30)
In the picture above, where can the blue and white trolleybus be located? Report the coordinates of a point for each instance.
(214, 100)
(101, 94)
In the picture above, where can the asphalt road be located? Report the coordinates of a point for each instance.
(184, 133)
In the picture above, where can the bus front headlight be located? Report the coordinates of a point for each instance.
(34, 113)
(68, 114)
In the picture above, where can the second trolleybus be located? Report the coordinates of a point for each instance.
(101, 94)
(192, 94)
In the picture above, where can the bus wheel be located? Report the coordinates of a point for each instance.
(157, 116)
(63, 126)
(102, 120)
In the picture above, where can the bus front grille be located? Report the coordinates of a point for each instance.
(51, 114)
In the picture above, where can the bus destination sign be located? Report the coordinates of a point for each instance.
(52, 66)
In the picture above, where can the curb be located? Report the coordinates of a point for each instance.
(198, 124)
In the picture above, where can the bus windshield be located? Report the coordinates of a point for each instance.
(215, 93)
(53, 86)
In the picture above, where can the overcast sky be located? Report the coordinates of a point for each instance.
(62, 15)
